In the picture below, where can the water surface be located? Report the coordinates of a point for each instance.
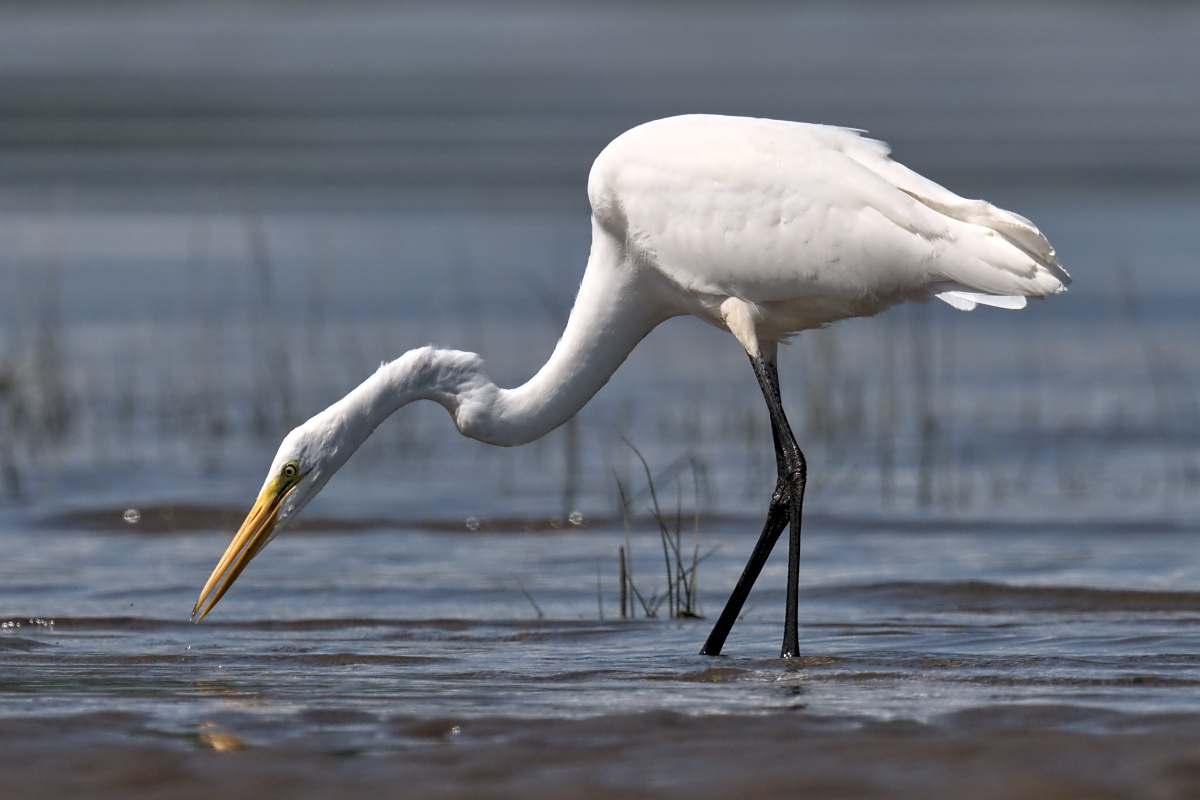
(897, 624)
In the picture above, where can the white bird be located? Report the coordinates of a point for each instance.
(759, 227)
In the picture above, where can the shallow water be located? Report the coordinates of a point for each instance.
(331, 635)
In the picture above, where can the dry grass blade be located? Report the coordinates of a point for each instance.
(680, 595)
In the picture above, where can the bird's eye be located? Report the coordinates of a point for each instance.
(291, 469)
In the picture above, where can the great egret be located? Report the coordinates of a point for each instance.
(760, 227)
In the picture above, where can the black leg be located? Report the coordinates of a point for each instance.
(791, 621)
(777, 520)
(784, 510)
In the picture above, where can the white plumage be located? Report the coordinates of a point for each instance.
(809, 223)
(760, 227)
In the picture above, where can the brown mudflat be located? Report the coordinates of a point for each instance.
(1001, 752)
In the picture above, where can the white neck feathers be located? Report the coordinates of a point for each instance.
(611, 315)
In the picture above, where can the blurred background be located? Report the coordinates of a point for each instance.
(218, 217)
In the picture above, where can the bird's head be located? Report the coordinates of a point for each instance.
(308, 456)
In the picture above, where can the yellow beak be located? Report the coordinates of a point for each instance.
(247, 542)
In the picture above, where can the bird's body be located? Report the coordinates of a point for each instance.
(760, 227)
(810, 223)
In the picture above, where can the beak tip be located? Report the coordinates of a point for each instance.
(200, 612)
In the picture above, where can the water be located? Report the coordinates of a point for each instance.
(897, 624)
(999, 547)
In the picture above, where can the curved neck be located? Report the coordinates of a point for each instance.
(612, 313)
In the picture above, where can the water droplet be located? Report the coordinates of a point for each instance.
(132, 515)
(472, 523)
(576, 518)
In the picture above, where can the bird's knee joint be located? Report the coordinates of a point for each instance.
(741, 318)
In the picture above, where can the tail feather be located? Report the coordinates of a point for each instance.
(966, 301)
(996, 256)
(1017, 230)
(1005, 257)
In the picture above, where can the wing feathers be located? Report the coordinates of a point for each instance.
(991, 268)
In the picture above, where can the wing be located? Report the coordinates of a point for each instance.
(778, 212)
